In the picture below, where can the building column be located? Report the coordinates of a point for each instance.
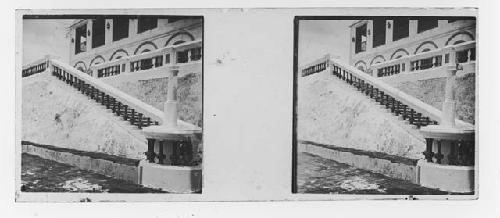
(89, 38)
(442, 23)
(413, 25)
(369, 35)
(389, 27)
(108, 33)
(132, 28)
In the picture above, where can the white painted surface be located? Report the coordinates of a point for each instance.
(82, 123)
(446, 177)
(332, 112)
(174, 179)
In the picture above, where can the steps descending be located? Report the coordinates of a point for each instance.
(386, 101)
(115, 105)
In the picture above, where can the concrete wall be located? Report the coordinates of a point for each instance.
(332, 112)
(154, 92)
(56, 114)
(136, 42)
(445, 34)
(431, 91)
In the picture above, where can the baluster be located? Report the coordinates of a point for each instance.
(439, 156)
(452, 156)
(405, 114)
(150, 154)
(376, 94)
(428, 150)
(107, 101)
(397, 108)
(392, 105)
(125, 115)
(418, 121)
(140, 121)
(412, 116)
(119, 108)
(102, 96)
(132, 118)
(148, 121)
(161, 155)
(113, 105)
(174, 158)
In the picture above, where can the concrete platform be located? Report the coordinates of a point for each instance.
(173, 179)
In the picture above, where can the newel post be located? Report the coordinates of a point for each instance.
(174, 145)
(170, 106)
(450, 146)
(449, 104)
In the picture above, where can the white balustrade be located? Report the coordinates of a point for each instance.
(158, 58)
(464, 53)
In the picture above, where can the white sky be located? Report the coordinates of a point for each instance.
(316, 38)
(45, 36)
(319, 37)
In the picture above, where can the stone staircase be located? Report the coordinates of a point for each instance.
(386, 101)
(117, 107)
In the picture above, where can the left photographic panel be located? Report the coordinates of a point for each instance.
(110, 103)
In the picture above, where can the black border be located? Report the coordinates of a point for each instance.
(110, 16)
(296, 22)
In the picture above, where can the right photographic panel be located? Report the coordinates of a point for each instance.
(385, 105)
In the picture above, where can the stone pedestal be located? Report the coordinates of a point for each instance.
(170, 149)
(450, 149)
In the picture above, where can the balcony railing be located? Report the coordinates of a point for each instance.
(317, 66)
(37, 66)
(185, 53)
(464, 53)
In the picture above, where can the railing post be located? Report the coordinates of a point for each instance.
(449, 104)
(170, 107)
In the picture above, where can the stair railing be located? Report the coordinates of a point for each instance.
(398, 101)
(35, 67)
(134, 110)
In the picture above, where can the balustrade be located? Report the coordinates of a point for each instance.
(172, 139)
(396, 107)
(184, 53)
(35, 68)
(463, 53)
(315, 68)
(123, 110)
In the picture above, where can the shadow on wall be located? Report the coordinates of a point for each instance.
(431, 91)
(154, 92)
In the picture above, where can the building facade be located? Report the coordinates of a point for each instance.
(102, 40)
(383, 40)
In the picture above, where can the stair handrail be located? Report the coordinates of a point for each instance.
(131, 101)
(37, 62)
(412, 102)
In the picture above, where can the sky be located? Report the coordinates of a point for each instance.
(316, 38)
(45, 36)
(319, 37)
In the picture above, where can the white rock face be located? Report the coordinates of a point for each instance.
(57, 114)
(331, 111)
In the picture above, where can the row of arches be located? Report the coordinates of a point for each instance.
(457, 38)
(147, 46)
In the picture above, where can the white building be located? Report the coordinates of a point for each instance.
(382, 40)
(106, 39)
